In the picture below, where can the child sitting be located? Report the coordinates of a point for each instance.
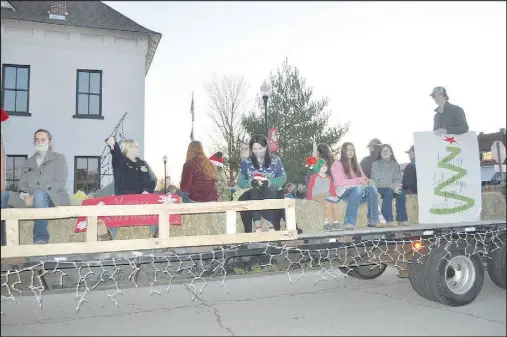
(289, 191)
(321, 189)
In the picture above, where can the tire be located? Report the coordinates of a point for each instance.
(496, 262)
(454, 276)
(418, 275)
(364, 272)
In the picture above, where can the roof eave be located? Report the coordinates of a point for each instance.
(153, 41)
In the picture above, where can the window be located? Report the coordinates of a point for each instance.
(13, 171)
(15, 89)
(89, 94)
(86, 174)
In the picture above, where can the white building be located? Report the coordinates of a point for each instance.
(73, 68)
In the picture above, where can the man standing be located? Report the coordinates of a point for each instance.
(42, 183)
(409, 181)
(449, 118)
(374, 146)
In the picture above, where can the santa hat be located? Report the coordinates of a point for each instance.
(5, 116)
(217, 159)
(259, 176)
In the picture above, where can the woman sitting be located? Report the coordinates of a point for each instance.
(132, 175)
(352, 185)
(263, 175)
(387, 176)
(199, 176)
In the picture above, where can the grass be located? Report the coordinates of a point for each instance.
(308, 216)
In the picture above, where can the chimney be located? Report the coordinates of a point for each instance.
(57, 10)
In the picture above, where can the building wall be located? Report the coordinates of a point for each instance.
(54, 53)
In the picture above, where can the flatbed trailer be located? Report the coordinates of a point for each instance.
(444, 262)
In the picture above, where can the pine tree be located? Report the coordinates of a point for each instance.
(298, 117)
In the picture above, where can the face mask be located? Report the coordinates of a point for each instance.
(41, 147)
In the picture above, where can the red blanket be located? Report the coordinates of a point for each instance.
(131, 220)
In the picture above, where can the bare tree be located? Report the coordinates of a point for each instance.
(227, 104)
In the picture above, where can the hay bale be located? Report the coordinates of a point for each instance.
(308, 216)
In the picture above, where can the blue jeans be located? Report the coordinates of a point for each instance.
(41, 199)
(357, 195)
(387, 205)
(185, 199)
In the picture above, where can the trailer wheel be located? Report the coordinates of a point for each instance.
(418, 276)
(454, 276)
(496, 262)
(364, 272)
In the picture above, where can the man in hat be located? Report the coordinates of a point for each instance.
(449, 118)
(409, 181)
(374, 146)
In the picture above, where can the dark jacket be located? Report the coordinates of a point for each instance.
(130, 177)
(196, 184)
(367, 163)
(409, 182)
(453, 119)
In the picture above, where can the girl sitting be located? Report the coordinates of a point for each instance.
(352, 185)
(321, 189)
(263, 175)
(199, 176)
(386, 173)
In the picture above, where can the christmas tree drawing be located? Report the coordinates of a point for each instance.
(445, 163)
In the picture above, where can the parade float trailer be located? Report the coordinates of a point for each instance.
(445, 256)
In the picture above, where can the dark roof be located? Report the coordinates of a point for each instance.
(89, 14)
(86, 14)
(487, 139)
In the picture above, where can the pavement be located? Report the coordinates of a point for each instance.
(261, 305)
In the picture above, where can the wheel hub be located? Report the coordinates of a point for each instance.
(460, 274)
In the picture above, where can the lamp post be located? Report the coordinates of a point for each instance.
(265, 91)
(165, 173)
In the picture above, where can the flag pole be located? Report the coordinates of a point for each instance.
(193, 118)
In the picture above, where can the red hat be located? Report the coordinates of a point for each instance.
(217, 159)
(5, 116)
(259, 176)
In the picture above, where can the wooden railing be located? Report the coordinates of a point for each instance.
(12, 216)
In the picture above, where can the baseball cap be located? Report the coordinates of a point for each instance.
(374, 142)
(438, 90)
(410, 150)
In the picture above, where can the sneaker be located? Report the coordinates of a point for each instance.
(327, 227)
(402, 223)
(258, 229)
(349, 227)
(391, 224)
(40, 242)
(332, 199)
(335, 226)
(271, 229)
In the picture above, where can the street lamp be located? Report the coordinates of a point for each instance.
(265, 91)
(165, 173)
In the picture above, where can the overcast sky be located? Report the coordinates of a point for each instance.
(376, 61)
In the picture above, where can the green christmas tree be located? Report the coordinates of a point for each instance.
(439, 189)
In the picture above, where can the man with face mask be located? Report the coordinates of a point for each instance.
(449, 118)
(42, 183)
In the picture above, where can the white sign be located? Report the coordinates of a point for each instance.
(448, 178)
(494, 151)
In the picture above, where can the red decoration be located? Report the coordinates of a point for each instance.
(311, 161)
(450, 140)
(131, 220)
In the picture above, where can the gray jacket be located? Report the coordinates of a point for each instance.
(453, 119)
(386, 173)
(51, 177)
